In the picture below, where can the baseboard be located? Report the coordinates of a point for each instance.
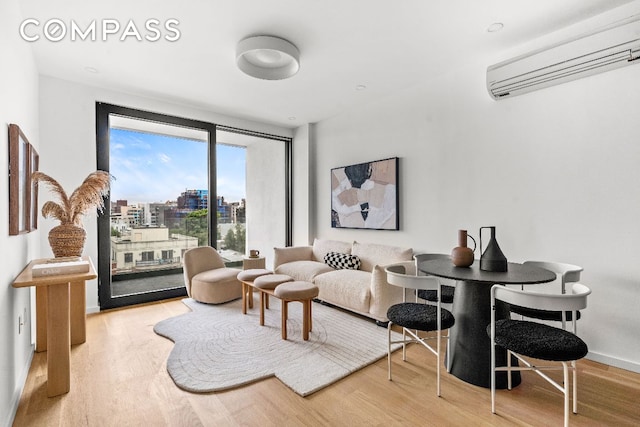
(15, 399)
(614, 361)
(94, 309)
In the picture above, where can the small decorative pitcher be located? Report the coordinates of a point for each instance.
(492, 259)
(462, 256)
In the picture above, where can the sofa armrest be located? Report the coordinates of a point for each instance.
(291, 253)
(384, 295)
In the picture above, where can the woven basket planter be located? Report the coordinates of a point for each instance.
(67, 240)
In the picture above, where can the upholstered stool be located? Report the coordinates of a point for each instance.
(247, 277)
(266, 285)
(297, 291)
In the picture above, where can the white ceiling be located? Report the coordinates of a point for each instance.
(382, 44)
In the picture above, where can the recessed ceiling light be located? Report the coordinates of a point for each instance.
(91, 70)
(267, 57)
(495, 27)
(361, 87)
(292, 118)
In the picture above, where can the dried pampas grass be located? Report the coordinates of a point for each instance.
(70, 209)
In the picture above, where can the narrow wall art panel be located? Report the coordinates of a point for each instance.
(365, 195)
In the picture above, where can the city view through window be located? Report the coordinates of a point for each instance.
(160, 202)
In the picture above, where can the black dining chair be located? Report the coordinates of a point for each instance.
(567, 273)
(414, 316)
(429, 294)
(523, 338)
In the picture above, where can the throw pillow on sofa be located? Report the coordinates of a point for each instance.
(342, 261)
(322, 246)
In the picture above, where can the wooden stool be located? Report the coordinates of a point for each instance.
(297, 291)
(266, 285)
(247, 277)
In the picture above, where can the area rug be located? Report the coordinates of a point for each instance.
(218, 348)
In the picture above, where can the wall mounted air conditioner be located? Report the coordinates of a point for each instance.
(607, 48)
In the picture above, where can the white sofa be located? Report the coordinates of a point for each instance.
(364, 291)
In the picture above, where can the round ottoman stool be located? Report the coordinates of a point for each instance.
(297, 291)
(246, 277)
(266, 285)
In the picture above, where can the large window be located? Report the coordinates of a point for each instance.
(180, 184)
(157, 203)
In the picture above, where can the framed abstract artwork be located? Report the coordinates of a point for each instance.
(365, 195)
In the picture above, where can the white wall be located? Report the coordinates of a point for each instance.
(68, 142)
(19, 105)
(555, 170)
(266, 197)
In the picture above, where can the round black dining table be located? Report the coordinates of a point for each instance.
(469, 344)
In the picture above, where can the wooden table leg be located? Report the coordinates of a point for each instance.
(262, 294)
(41, 318)
(306, 315)
(247, 296)
(78, 312)
(285, 315)
(244, 297)
(58, 340)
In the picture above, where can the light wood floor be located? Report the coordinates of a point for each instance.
(119, 378)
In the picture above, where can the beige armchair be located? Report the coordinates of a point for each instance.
(207, 279)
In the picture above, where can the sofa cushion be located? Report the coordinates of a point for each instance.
(303, 270)
(292, 253)
(341, 261)
(321, 247)
(372, 254)
(347, 288)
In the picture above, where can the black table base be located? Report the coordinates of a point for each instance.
(469, 344)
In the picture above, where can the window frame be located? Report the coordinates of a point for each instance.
(103, 111)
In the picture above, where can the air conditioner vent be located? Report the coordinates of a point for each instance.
(612, 47)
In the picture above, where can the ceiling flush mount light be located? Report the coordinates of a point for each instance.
(267, 57)
(495, 27)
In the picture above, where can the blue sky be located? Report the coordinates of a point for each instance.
(156, 168)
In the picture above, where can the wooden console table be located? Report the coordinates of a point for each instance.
(60, 319)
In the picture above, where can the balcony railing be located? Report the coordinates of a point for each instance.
(160, 261)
